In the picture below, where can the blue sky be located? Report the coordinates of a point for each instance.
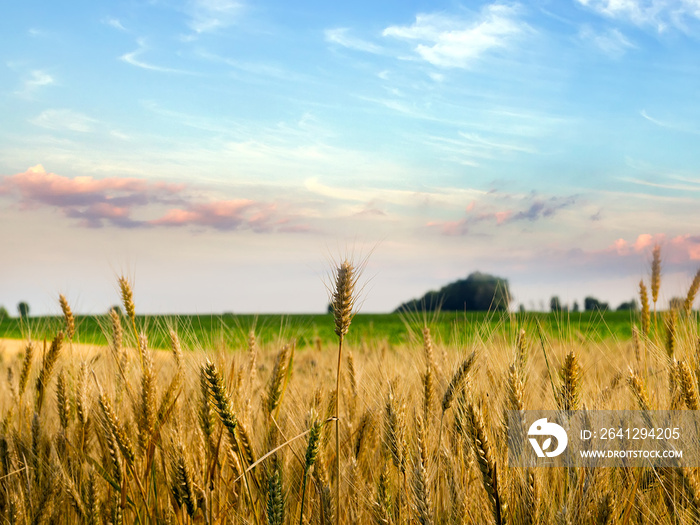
(221, 152)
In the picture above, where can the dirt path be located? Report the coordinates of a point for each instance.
(9, 348)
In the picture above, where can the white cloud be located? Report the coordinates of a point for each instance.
(64, 119)
(667, 124)
(611, 42)
(449, 41)
(342, 37)
(210, 15)
(37, 79)
(132, 59)
(115, 23)
(659, 14)
(412, 199)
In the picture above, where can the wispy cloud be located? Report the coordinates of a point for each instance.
(471, 149)
(428, 196)
(342, 37)
(667, 124)
(140, 203)
(451, 41)
(36, 80)
(133, 59)
(225, 215)
(491, 144)
(259, 68)
(37, 186)
(498, 209)
(64, 119)
(210, 15)
(611, 42)
(657, 14)
(664, 185)
(677, 249)
(115, 23)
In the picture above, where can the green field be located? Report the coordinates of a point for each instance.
(230, 331)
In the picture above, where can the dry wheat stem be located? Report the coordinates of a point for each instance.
(655, 274)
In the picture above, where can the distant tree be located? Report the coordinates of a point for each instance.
(629, 305)
(478, 292)
(23, 309)
(521, 308)
(115, 308)
(676, 303)
(329, 309)
(555, 304)
(591, 304)
(575, 307)
(4, 314)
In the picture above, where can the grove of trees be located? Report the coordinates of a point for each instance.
(478, 292)
(23, 310)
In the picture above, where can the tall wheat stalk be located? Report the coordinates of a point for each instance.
(343, 304)
(655, 275)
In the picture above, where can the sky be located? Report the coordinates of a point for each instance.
(223, 154)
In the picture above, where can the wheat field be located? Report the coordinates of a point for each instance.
(336, 433)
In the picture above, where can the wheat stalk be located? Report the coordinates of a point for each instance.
(645, 315)
(394, 430)
(47, 369)
(421, 489)
(182, 485)
(26, 367)
(62, 401)
(343, 304)
(457, 382)
(688, 386)
(692, 292)
(312, 448)
(485, 462)
(570, 392)
(671, 322)
(67, 316)
(655, 274)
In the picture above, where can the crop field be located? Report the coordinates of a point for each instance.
(331, 418)
(231, 331)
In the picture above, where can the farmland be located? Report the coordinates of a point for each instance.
(231, 330)
(274, 419)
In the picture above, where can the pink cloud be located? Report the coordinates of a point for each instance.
(226, 215)
(450, 228)
(36, 186)
(643, 242)
(232, 215)
(220, 215)
(96, 202)
(502, 216)
(686, 246)
(677, 250)
(535, 209)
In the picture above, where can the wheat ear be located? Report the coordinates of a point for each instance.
(688, 386)
(67, 316)
(312, 448)
(47, 369)
(570, 393)
(421, 490)
(484, 459)
(645, 314)
(182, 485)
(26, 367)
(692, 292)
(343, 304)
(655, 274)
